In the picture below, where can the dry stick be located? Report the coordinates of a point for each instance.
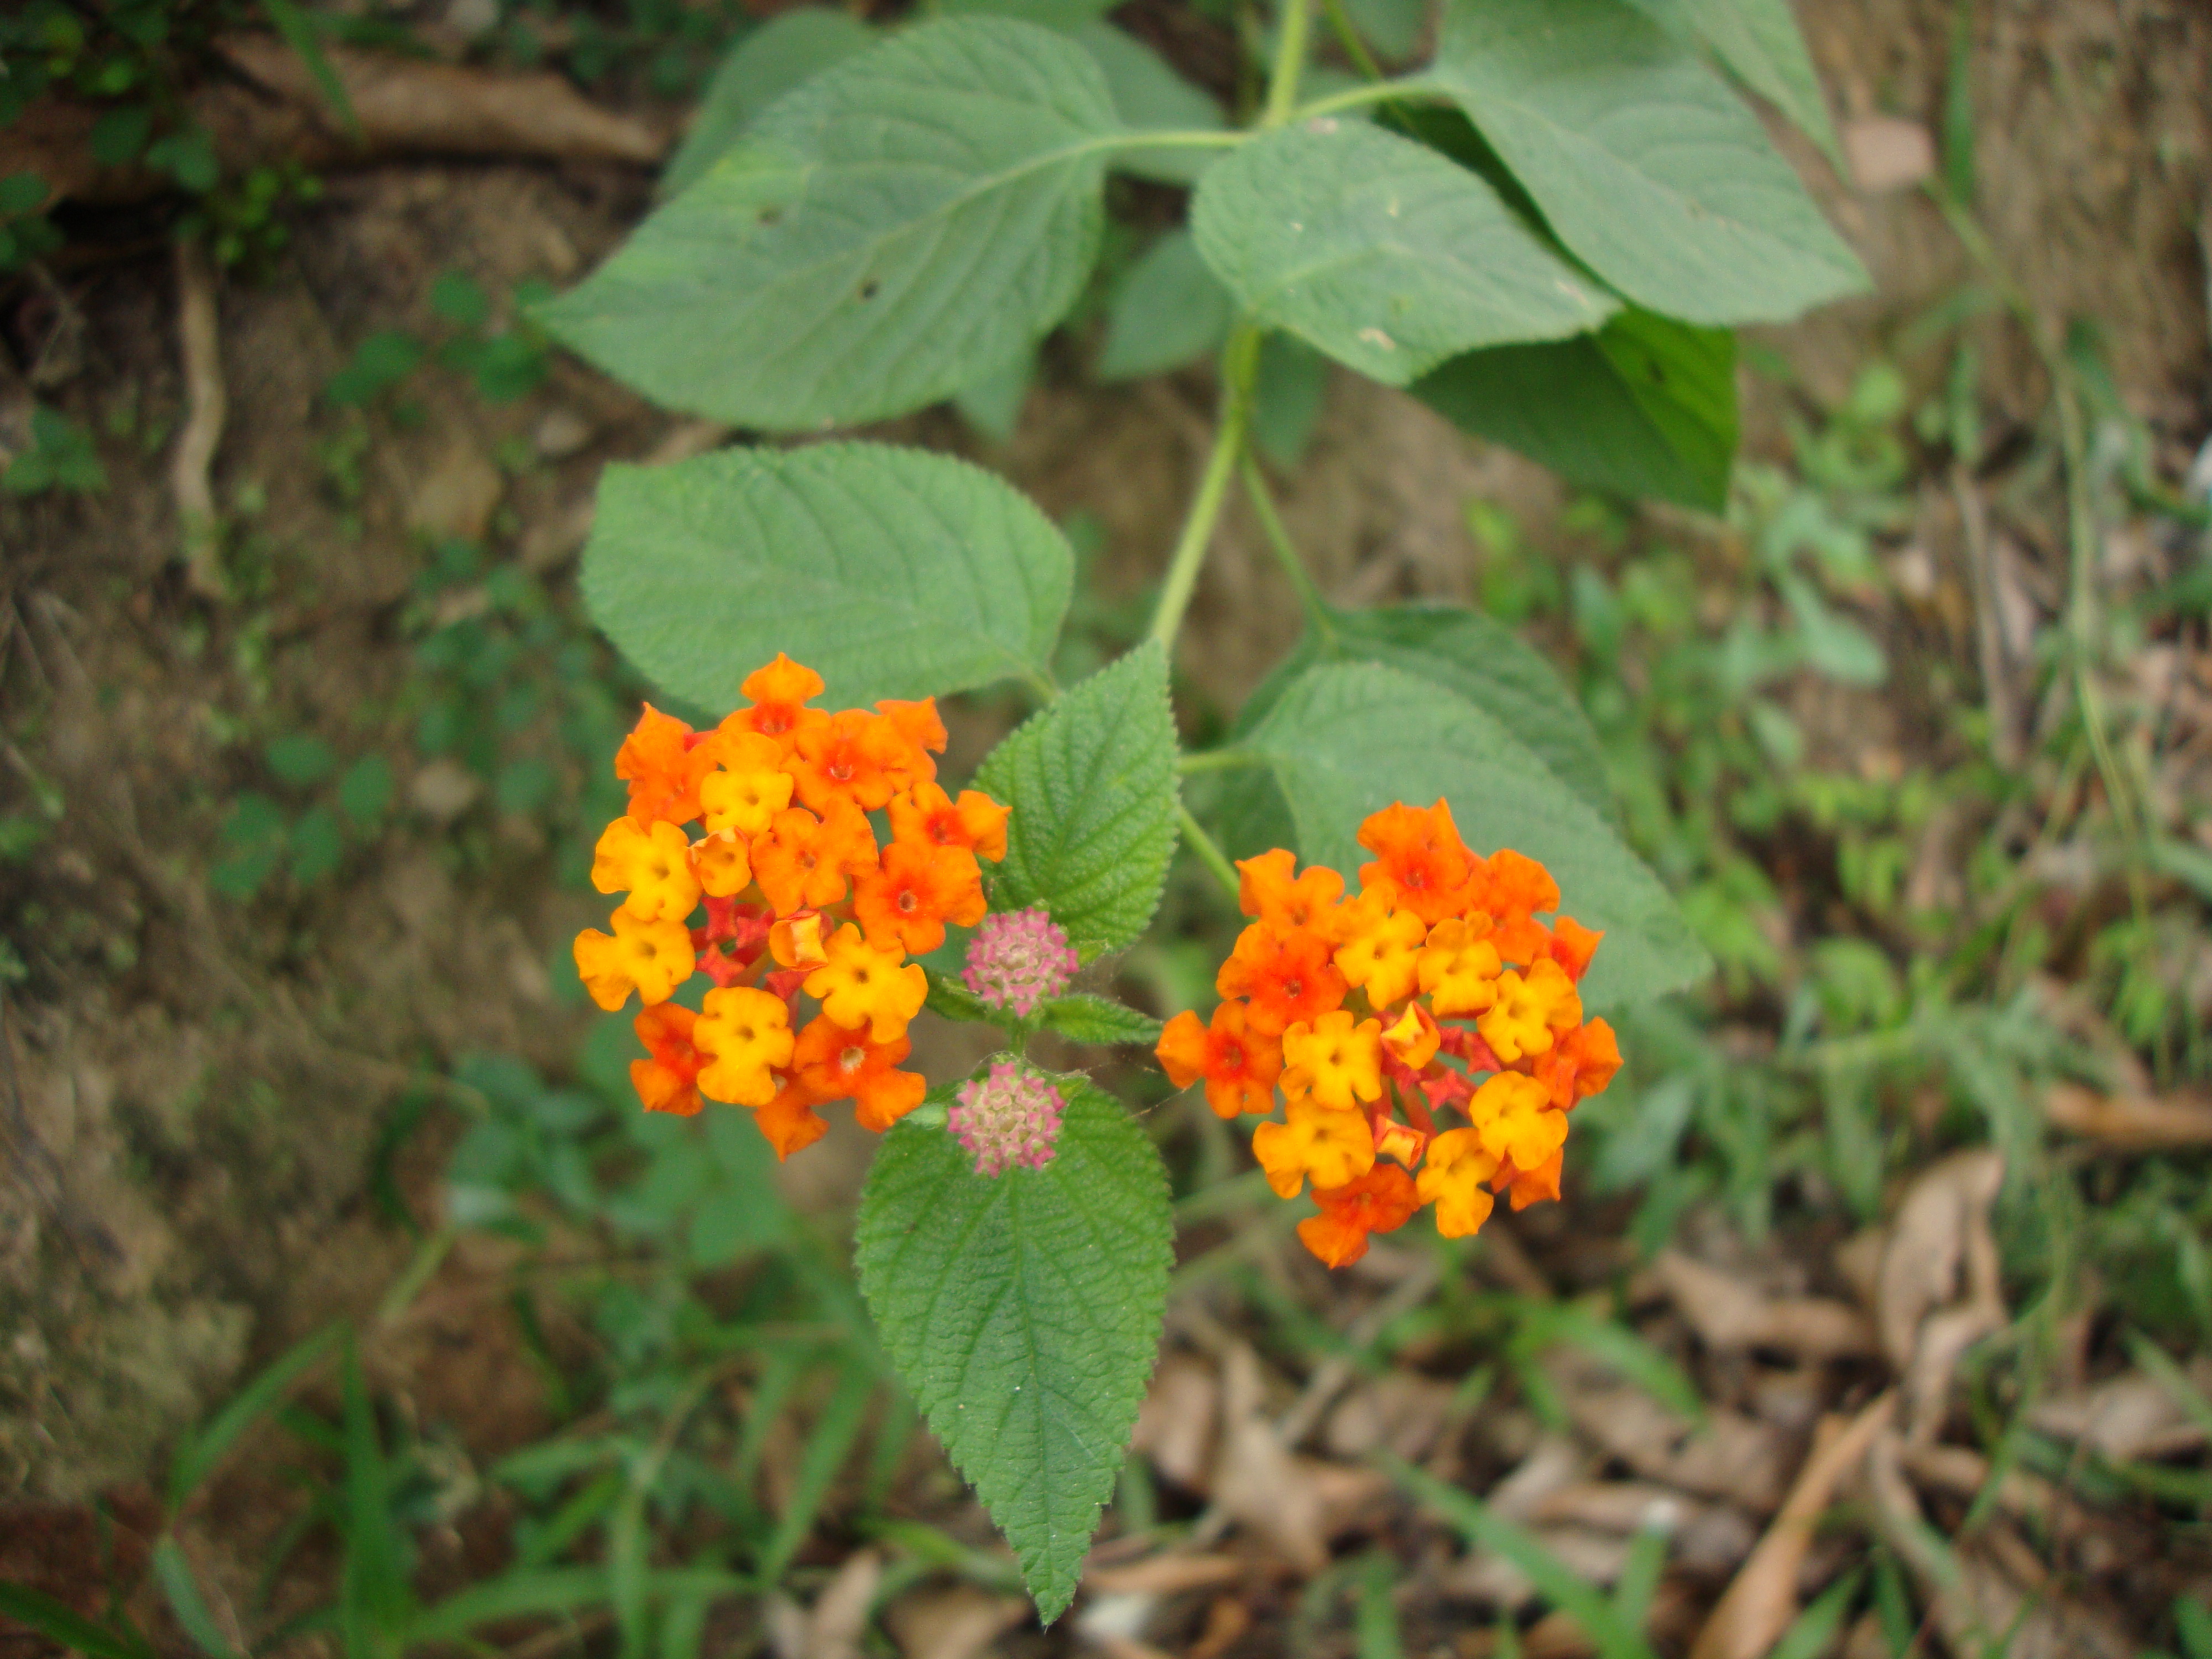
(1988, 627)
(1762, 1599)
(199, 348)
(1333, 1373)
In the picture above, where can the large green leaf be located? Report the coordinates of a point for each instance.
(1646, 406)
(1169, 310)
(1023, 1312)
(1641, 160)
(1379, 251)
(1759, 41)
(1474, 657)
(1346, 739)
(893, 572)
(1150, 97)
(782, 54)
(1092, 780)
(899, 226)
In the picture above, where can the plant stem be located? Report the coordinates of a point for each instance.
(1216, 760)
(1286, 553)
(1238, 358)
(1380, 92)
(1348, 37)
(1209, 852)
(1289, 63)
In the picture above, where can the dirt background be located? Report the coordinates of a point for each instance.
(193, 1088)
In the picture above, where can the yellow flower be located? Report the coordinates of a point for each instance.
(1381, 950)
(652, 864)
(1414, 1040)
(1514, 1116)
(753, 789)
(1453, 1180)
(1530, 1011)
(651, 957)
(1459, 968)
(1335, 1062)
(721, 865)
(1334, 1148)
(859, 985)
(748, 1034)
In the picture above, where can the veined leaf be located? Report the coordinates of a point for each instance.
(1641, 160)
(1022, 1311)
(1346, 739)
(1473, 656)
(1379, 251)
(1092, 783)
(893, 572)
(1083, 1018)
(1169, 310)
(1646, 406)
(901, 224)
(782, 54)
(1150, 97)
(1759, 41)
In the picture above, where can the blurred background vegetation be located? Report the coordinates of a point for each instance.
(349, 1306)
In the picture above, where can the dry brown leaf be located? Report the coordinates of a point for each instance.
(1597, 1558)
(1759, 1605)
(1552, 1463)
(1886, 153)
(1728, 1314)
(1963, 1472)
(1294, 1504)
(1226, 1621)
(2128, 1417)
(1930, 1243)
(839, 1616)
(1175, 1424)
(1407, 1413)
(1730, 1455)
(1166, 1574)
(955, 1623)
(2129, 1122)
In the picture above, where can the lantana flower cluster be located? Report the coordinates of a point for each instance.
(800, 895)
(1425, 1033)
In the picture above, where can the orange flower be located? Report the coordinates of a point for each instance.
(1265, 891)
(663, 765)
(779, 693)
(975, 822)
(1581, 1064)
(1381, 950)
(1572, 946)
(803, 860)
(789, 1121)
(1380, 1201)
(1286, 973)
(1453, 1179)
(668, 1081)
(1516, 890)
(837, 1064)
(650, 958)
(917, 890)
(1239, 1065)
(918, 723)
(853, 756)
(1421, 864)
(1533, 1186)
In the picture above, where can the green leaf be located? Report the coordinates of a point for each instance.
(197, 1458)
(1760, 43)
(21, 192)
(1287, 392)
(992, 405)
(461, 300)
(1083, 1018)
(1346, 739)
(300, 758)
(1646, 406)
(365, 791)
(1150, 97)
(374, 1596)
(1023, 1312)
(61, 1623)
(182, 1590)
(950, 999)
(899, 226)
(1641, 160)
(784, 52)
(1379, 251)
(1169, 310)
(381, 361)
(298, 28)
(1475, 657)
(119, 136)
(893, 572)
(834, 1433)
(1392, 26)
(1092, 781)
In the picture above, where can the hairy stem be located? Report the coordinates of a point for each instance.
(1285, 551)
(1378, 92)
(1238, 358)
(1209, 852)
(1289, 63)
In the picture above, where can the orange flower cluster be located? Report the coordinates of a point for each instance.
(799, 896)
(1432, 990)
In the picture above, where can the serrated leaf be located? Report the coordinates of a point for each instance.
(1641, 160)
(1084, 1018)
(1023, 1312)
(1379, 251)
(893, 572)
(1092, 784)
(784, 52)
(898, 226)
(1474, 657)
(949, 999)
(1346, 739)
(1646, 406)
(992, 405)
(1169, 310)
(1760, 43)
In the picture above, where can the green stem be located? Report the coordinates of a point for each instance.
(1289, 63)
(1211, 138)
(1381, 92)
(1198, 526)
(1348, 37)
(1216, 760)
(1286, 553)
(1209, 852)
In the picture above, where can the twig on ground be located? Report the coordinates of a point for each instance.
(207, 403)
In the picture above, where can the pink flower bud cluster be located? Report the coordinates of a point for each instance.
(1010, 1117)
(1018, 959)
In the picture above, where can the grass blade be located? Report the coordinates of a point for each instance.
(2159, 1365)
(826, 1451)
(63, 1624)
(1813, 1632)
(174, 1574)
(513, 1595)
(200, 1455)
(374, 1594)
(299, 33)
